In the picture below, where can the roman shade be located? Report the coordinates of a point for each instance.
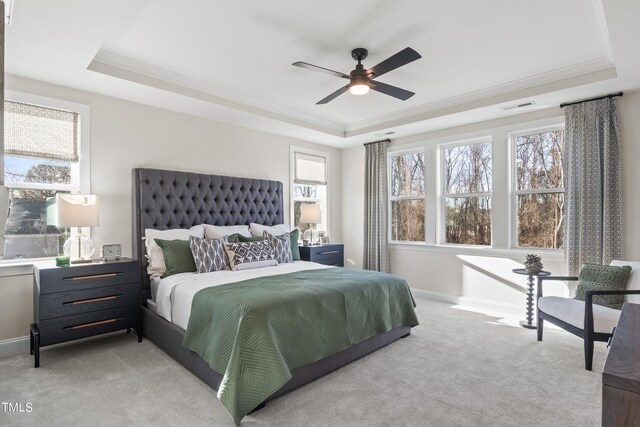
(38, 132)
(310, 169)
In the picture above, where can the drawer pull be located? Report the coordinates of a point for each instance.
(328, 252)
(86, 301)
(93, 276)
(88, 325)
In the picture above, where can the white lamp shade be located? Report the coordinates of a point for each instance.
(77, 210)
(310, 213)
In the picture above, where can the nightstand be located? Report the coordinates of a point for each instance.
(84, 300)
(331, 254)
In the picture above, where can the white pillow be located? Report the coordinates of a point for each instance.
(156, 267)
(215, 232)
(276, 230)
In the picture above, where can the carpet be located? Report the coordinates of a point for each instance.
(458, 368)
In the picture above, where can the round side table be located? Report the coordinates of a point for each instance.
(528, 323)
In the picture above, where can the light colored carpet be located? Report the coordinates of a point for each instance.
(458, 368)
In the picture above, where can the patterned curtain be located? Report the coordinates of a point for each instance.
(594, 210)
(376, 250)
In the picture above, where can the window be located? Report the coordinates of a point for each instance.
(309, 185)
(41, 158)
(539, 188)
(406, 201)
(467, 174)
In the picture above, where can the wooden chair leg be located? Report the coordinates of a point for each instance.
(588, 352)
(540, 323)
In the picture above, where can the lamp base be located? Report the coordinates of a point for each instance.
(311, 236)
(79, 248)
(81, 260)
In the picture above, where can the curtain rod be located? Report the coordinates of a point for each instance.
(611, 95)
(375, 142)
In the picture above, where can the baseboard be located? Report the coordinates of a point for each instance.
(476, 303)
(14, 346)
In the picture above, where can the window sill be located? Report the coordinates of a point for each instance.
(551, 255)
(20, 267)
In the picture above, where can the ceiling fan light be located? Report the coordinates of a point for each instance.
(359, 89)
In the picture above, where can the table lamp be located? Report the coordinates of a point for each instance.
(78, 210)
(310, 214)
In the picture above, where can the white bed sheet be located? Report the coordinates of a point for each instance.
(175, 293)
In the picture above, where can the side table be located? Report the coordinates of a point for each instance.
(528, 323)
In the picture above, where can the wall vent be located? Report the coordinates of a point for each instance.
(516, 106)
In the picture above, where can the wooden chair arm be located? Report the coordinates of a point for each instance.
(556, 278)
(588, 305)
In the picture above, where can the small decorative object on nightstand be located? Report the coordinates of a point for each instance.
(111, 252)
(332, 254)
(528, 323)
(84, 300)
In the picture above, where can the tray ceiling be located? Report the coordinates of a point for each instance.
(232, 62)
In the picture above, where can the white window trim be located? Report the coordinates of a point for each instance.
(292, 171)
(501, 202)
(391, 199)
(443, 195)
(513, 188)
(81, 174)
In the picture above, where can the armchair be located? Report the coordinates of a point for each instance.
(589, 321)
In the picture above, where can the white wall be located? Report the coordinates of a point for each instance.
(126, 135)
(480, 275)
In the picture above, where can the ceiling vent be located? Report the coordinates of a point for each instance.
(516, 106)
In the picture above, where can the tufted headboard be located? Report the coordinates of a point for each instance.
(164, 199)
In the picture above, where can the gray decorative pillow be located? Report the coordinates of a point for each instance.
(245, 255)
(208, 255)
(603, 278)
(281, 246)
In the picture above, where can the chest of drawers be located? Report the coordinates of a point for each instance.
(84, 300)
(332, 254)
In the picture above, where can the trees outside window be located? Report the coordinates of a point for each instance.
(407, 206)
(467, 175)
(309, 185)
(539, 189)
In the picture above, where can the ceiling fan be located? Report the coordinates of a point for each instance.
(361, 80)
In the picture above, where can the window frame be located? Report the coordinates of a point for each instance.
(80, 171)
(391, 199)
(443, 195)
(292, 170)
(513, 189)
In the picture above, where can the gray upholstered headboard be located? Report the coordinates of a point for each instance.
(164, 199)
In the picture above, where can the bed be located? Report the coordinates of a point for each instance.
(164, 199)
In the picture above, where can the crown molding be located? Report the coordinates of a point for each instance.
(114, 65)
(562, 78)
(125, 68)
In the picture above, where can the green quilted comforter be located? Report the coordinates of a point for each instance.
(254, 332)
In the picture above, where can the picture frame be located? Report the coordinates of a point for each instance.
(321, 234)
(325, 240)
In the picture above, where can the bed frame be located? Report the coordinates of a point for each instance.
(164, 199)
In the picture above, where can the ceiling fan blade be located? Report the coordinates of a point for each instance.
(321, 69)
(394, 91)
(334, 95)
(401, 58)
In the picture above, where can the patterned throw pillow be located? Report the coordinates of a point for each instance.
(603, 278)
(281, 245)
(245, 255)
(208, 255)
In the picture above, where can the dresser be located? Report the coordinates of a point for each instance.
(332, 254)
(621, 372)
(84, 300)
